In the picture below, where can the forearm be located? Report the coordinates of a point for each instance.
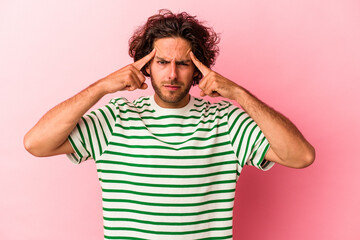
(285, 139)
(53, 129)
(48, 137)
(287, 146)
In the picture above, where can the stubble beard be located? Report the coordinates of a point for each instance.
(172, 97)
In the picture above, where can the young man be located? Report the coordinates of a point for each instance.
(168, 164)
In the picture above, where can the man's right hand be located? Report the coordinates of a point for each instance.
(129, 77)
(49, 136)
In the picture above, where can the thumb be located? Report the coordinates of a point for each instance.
(144, 86)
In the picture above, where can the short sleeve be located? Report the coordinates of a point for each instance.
(247, 139)
(91, 135)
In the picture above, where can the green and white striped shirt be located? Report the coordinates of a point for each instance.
(168, 173)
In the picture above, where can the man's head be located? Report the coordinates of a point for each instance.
(203, 40)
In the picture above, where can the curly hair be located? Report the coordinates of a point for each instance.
(203, 40)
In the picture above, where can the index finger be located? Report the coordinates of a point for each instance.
(139, 64)
(203, 69)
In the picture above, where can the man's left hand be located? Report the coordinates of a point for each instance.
(213, 84)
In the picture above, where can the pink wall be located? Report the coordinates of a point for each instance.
(301, 57)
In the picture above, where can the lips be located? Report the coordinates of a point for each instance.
(172, 87)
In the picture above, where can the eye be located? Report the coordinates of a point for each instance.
(161, 62)
(183, 64)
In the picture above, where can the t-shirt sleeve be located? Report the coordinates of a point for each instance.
(247, 139)
(91, 135)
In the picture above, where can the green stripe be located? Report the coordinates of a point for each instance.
(134, 111)
(168, 156)
(169, 195)
(106, 120)
(75, 158)
(210, 108)
(103, 133)
(144, 105)
(216, 238)
(168, 204)
(235, 121)
(167, 185)
(260, 145)
(167, 117)
(124, 238)
(141, 100)
(255, 152)
(131, 105)
(83, 142)
(170, 148)
(99, 145)
(245, 155)
(263, 154)
(171, 143)
(111, 112)
(135, 238)
(239, 130)
(90, 138)
(167, 176)
(181, 214)
(170, 125)
(253, 147)
(168, 233)
(168, 223)
(232, 112)
(201, 104)
(120, 102)
(174, 134)
(241, 143)
(81, 134)
(107, 124)
(167, 166)
(76, 149)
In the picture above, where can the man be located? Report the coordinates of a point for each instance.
(168, 164)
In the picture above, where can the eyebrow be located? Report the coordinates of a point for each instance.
(181, 61)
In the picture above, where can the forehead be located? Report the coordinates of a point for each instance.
(172, 48)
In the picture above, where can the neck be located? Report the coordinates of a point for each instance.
(182, 103)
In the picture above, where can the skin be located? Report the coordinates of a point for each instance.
(172, 68)
(49, 136)
(288, 147)
(171, 72)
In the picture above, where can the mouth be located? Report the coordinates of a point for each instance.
(172, 87)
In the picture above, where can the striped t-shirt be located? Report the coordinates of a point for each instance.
(168, 173)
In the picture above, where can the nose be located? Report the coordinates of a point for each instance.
(173, 71)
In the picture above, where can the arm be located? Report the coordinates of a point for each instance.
(49, 136)
(287, 145)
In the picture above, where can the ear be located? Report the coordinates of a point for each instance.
(147, 68)
(196, 72)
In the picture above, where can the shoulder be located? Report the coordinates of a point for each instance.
(119, 102)
(123, 102)
(138, 106)
(202, 104)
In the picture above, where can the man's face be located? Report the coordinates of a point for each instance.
(171, 72)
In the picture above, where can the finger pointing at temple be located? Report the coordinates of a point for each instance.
(129, 77)
(139, 64)
(202, 68)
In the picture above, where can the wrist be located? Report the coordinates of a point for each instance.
(241, 96)
(98, 89)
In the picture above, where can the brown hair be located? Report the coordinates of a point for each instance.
(203, 39)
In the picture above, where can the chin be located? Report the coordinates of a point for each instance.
(174, 99)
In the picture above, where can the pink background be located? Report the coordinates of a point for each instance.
(301, 57)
